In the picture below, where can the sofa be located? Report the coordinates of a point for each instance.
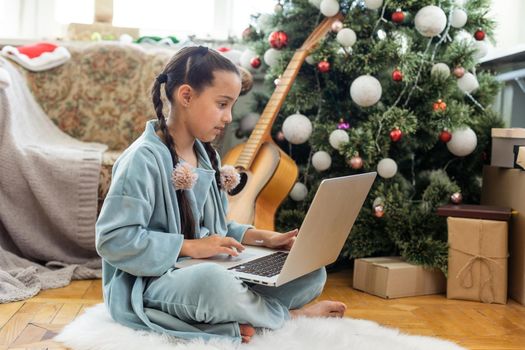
(102, 94)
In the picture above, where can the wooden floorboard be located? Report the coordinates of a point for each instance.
(31, 324)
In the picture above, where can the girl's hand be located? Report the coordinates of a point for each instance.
(282, 240)
(209, 246)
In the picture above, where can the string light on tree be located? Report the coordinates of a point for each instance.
(298, 192)
(297, 128)
(387, 168)
(430, 21)
(323, 66)
(373, 4)
(458, 18)
(329, 8)
(365, 91)
(463, 142)
(396, 134)
(346, 37)
(278, 39)
(397, 75)
(321, 160)
(398, 16)
(445, 136)
(337, 138)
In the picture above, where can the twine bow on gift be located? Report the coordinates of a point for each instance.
(465, 274)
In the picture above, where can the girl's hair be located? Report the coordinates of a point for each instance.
(193, 66)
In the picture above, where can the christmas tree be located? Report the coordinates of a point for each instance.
(393, 88)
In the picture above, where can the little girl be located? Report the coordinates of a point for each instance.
(154, 214)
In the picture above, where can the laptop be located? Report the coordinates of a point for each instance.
(321, 236)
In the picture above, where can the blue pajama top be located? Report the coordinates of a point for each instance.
(138, 232)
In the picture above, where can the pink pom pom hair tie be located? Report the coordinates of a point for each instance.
(230, 178)
(184, 177)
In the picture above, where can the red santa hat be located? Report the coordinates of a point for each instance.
(37, 57)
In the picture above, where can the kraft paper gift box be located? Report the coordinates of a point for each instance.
(477, 260)
(505, 145)
(392, 277)
(506, 187)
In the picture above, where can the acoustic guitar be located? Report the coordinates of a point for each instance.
(267, 173)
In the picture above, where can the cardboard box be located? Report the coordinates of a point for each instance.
(477, 260)
(392, 277)
(506, 187)
(504, 142)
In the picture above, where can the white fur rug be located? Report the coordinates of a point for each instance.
(95, 330)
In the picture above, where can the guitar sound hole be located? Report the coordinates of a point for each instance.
(240, 186)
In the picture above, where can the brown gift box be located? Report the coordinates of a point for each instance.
(477, 260)
(506, 187)
(503, 143)
(392, 277)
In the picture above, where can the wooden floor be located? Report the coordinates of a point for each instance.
(32, 323)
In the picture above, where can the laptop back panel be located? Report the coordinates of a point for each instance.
(327, 224)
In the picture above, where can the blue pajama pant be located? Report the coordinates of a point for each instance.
(210, 294)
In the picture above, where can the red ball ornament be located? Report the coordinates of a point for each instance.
(397, 75)
(459, 72)
(398, 16)
(379, 211)
(255, 62)
(356, 162)
(479, 35)
(278, 39)
(396, 134)
(439, 105)
(223, 49)
(445, 136)
(323, 66)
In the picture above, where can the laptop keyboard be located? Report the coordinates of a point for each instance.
(267, 266)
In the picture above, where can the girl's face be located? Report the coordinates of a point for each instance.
(210, 111)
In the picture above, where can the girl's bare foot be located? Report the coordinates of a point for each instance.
(325, 308)
(247, 332)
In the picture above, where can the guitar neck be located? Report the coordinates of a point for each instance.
(261, 132)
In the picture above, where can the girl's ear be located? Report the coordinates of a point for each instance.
(184, 94)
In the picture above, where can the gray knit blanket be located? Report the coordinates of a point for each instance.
(48, 195)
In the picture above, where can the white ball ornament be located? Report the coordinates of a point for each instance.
(387, 168)
(373, 4)
(246, 58)
(298, 192)
(458, 18)
(430, 21)
(264, 22)
(321, 160)
(346, 37)
(440, 69)
(248, 122)
(271, 57)
(329, 8)
(5, 78)
(310, 60)
(297, 128)
(365, 90)
(337, 138)
(468, 83)
(463, 142)
(481, 49)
